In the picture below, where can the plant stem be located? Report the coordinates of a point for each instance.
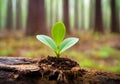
(58, 52)
(58, 56)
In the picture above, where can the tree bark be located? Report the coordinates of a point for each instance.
(98, 17)
(114, 18)
(9, 20)
(18, 15)
(66, 15)
(36, 22)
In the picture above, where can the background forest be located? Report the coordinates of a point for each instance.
(95, 22)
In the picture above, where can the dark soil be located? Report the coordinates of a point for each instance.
(59, 63)
(51, 70)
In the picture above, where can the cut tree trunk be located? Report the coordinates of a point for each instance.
(14, 70)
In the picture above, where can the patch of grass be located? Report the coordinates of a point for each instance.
(7, 52)
(30, 54)
(108, 68)
(106, 52)
(86, 63)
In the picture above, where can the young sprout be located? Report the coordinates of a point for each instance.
(57, 43)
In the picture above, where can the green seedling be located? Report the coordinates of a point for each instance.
(57, 43)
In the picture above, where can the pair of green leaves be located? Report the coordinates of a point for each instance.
(57, 43)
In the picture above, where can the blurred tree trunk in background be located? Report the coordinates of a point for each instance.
(82, 14)
(57, 9)
(9, 19)
(66, 15)
(92, 14)
(76, 14)
(98, 17)
(51, 13)
(36, 22)
(114, 18)
(0, 14)
(18, 15)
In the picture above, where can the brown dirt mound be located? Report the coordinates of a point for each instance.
(59, 63)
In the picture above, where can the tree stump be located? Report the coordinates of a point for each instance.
(15, 70)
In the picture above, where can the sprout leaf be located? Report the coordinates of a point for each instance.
(67, 43)
(58, 32)
(47, 41)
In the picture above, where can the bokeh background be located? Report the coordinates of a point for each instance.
(95, 22)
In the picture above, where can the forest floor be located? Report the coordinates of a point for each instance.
(97, 51)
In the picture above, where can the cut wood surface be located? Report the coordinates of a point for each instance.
(18, 64)
(18, 70)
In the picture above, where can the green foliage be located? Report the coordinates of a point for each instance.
(67, 43)
(58, 32)
(47, 41)
(56, 43)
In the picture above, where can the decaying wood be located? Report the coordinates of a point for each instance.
(18, 64)
(14, 70)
